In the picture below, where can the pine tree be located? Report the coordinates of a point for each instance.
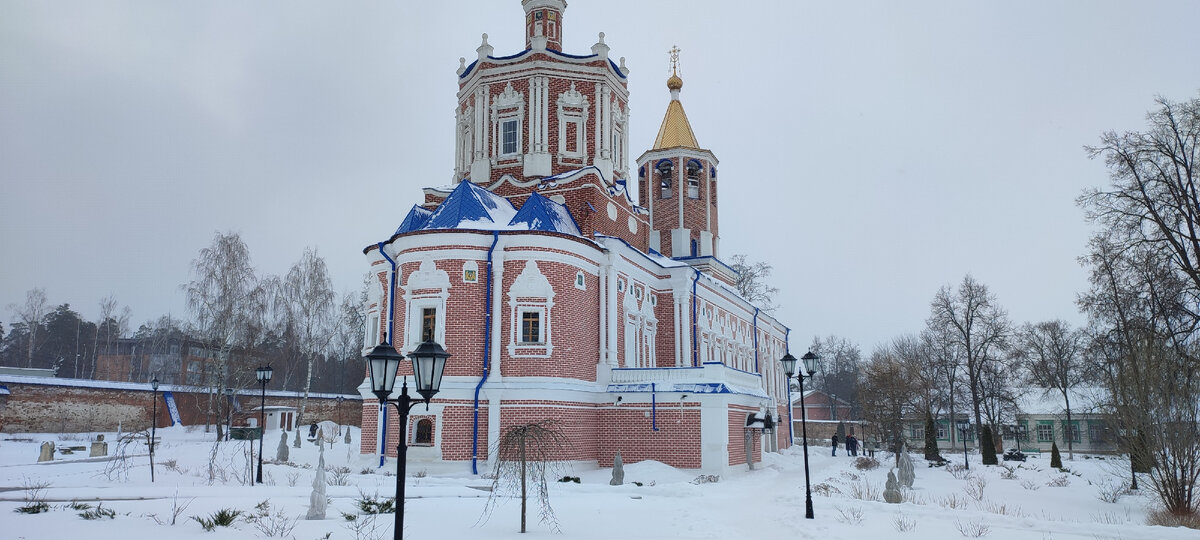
(931, 446)
(987, 446)
(1055, 457)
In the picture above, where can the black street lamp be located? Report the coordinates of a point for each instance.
(263, 374)
(789, 368)
(153, 422)
(339, 411)
(963, 426)
(429, 361)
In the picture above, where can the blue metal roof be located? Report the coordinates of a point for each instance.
(542, 214)
(470, 206)
(416, 218)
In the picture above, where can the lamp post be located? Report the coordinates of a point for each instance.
(153, 422)
(339, 411)
(962, 434)
(263, 374)
(789, 368)
(429, 361)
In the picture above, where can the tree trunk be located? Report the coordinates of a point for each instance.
(1070, 429)
(522, 484)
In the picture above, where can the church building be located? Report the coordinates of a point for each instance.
(562, 297)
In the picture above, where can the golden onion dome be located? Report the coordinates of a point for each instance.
(674, 83)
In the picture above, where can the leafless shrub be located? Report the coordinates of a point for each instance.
(972, 529)
(959, 472)
(367, 526)
(338, 476)
(1008, 472)
(903, 523)
(866, 463)
(1061, 480)
(910, 496)
(825, 489)
(176, 510)
(527, 452)
(953, 502)
(1110, 518)
(35, 496)
(292, 478)
(1111, 492)
(974, 487)
(706, 479)
(1030, 485)
(864, 490)
(420, 474)
(1167, 519)
(271, 524)
(849, 516)
(173, 465)
(1001, 508)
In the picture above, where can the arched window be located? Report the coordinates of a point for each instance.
(424, 434)
(664, 168)
(693, 179)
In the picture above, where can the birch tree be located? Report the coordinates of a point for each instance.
(226, 298)
(31, 312)
(308, 299)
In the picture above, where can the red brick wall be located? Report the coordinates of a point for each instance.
(628, 428)
(37, 408)
(737, 435)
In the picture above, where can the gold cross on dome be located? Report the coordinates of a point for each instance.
(674, 59)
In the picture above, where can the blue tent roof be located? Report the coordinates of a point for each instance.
(416, 218)
(542, 214)
(470, 206)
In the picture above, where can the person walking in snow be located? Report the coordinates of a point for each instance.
(835, 443)
(852, 445)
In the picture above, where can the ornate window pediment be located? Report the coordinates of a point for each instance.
(530, 299)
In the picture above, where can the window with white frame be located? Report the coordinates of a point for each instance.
(425, 311)
(531, 301)
(508, 108)
(1045, 432)
(941, 431)
(693, 179)
(372, 330)
(572, 126)
(509, 141)
(916, 431)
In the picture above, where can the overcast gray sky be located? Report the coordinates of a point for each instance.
(870, 151)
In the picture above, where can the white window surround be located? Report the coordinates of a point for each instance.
(371, 339)
(572, 108)
(541, 337)
(580, 281)
(531, 291)
(434, 288)
(508, 106)
(470, 272)
(641, 331)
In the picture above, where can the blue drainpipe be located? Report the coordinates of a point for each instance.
(487, 345)
(791, 421)
(756, 340)
(695, 344)
(387, 336)
(653, 408)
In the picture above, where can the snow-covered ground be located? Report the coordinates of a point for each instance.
(1037, 502)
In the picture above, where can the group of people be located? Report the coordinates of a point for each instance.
(851, 445)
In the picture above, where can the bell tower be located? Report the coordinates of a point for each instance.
(544, 23)
(677, 182)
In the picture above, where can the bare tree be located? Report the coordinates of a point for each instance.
(752, 282)
(348, 334)
(1051, 352)
(885, 397)
(840, 366)
(226, 297)
(979, 327)
(527, 452)
(946, 362)
(31, 313)
(307, 296)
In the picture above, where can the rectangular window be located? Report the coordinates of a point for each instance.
(1095, 431)
(693, 187)
(664, 191)
(508, 137)
(941, 432)
(1045, 432)
(916, 432)
(531, 327)
(428, 323)
(373, 331)
(1071, 431)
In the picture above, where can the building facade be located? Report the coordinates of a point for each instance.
(562, 298)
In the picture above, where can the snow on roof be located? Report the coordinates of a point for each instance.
(416, 218)
(472, 204)
(116, 385)
(1049, 401)
(542, 214)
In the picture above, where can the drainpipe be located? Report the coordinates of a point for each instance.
(387, 335)
(487, 346)
(695, 301)
(791, 421)
(653, 408)
(756, 340)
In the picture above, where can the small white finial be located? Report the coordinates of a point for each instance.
(601, 37)
(624, 69)
(485, 39)
(462, 65)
